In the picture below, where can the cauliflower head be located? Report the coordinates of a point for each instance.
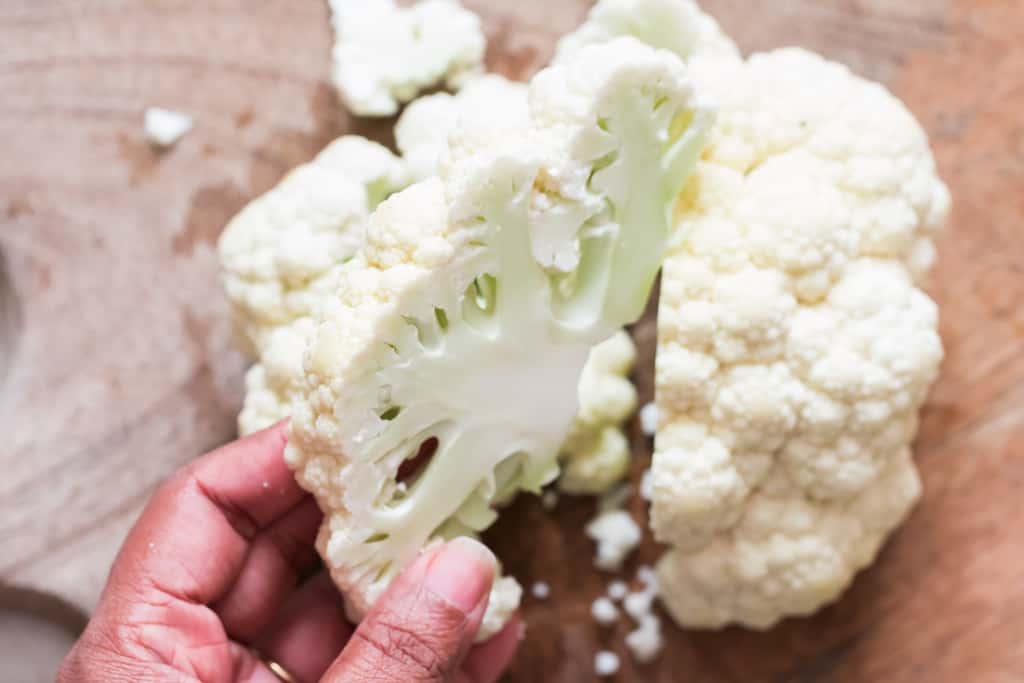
(595, 455)
(457, 334)
(279, 253)
(795, 348)
(384, 54)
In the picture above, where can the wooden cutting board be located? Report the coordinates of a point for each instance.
(124, 368)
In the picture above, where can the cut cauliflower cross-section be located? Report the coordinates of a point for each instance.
(460, 330)
(385, 54)
(595, 455)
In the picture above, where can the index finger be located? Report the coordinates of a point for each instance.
(192, 539)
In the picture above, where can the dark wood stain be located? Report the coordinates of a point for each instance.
(210, 210)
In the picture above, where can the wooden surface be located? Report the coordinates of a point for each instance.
(123, 368)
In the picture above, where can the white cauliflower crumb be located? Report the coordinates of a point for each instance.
(638, 604)
(164, 127)
(541, 590)
(384, 54)
(549, 500)
(795, 349)
(646, 641)
(617, 590)
(616, 535)
(647, 485)
(649, 419)
(604, 611)
(606, 663)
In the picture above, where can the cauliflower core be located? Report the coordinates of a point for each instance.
(795, 348)
(444, 372)
(385, 55)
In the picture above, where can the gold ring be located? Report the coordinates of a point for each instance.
(279, 671)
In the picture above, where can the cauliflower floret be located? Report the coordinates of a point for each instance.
(616, 535)
(280, 252)
(447, 335)
(271, 383)
(595, 456)
(384, 54)
(678, 26)
(795, 349)
(488, 102)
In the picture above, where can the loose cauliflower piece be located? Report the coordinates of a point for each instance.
(466, 319)
(795, 348)
(595, 455)
(616, 535)
(279, 253)
(384, 54)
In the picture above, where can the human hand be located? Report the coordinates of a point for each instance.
(207, 578)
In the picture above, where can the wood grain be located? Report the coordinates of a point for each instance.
(120, 365)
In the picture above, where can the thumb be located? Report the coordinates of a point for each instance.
(423, 626)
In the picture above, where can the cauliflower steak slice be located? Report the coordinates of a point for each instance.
(461, 328)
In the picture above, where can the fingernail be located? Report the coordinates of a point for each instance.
(462, 573)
